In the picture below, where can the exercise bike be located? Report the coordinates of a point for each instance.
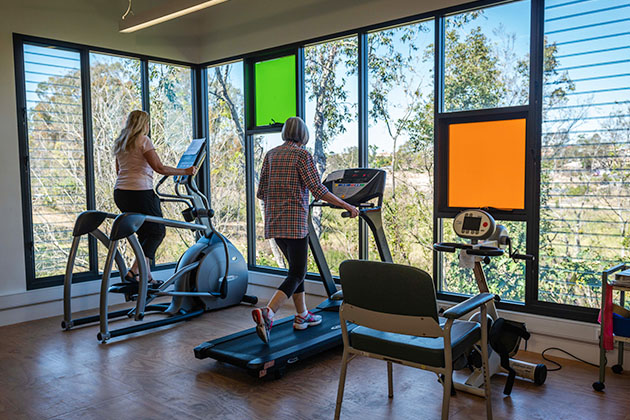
(487, 240)
(211, 274)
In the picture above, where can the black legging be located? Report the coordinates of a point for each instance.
(296, 253)
(150, 235)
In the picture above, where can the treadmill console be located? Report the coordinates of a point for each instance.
(474, 224)
(358, 185)
(193, 156)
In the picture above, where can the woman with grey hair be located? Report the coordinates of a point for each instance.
(288, 174)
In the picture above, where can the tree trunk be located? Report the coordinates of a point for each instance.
(277, 254)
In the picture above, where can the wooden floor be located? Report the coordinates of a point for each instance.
(48, 373)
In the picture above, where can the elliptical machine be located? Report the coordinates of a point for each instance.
(487, 240)
(211, 274)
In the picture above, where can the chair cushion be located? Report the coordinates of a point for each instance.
(422, 350)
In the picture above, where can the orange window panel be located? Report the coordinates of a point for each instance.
(486, 164)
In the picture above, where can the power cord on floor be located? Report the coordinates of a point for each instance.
(558, 364)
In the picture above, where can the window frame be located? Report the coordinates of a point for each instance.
(533, 111)
(250, 87)
(443, 210)
(19, 40)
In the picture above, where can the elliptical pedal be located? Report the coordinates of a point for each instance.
(124, 288)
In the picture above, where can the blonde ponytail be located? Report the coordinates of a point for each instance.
(135, 127)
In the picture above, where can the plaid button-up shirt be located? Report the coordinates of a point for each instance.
(288, 174)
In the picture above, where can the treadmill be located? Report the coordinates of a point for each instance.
(359, 187)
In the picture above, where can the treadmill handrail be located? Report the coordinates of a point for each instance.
(319, 203)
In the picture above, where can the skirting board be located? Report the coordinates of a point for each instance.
(579, 338)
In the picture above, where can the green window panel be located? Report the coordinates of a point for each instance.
(275, 86)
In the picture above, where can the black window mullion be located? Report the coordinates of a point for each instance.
(251, 199)
(534, 126)
(25, 172)
(300, 84)
(438, 101)
(144, 82)
(88, 147)
(200, 123)
(248, 81)
(362, 60)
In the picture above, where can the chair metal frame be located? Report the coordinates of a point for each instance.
(424, 327)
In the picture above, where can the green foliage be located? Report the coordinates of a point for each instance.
(471, 79)
(327, 88)
(227, 153)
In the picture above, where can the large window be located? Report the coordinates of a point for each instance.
(227, 152)
(54, 117)
(584, 201)
(171, 131)
(379, 97)
(115, 90)
(73, 103)
(486, 67)
(504, 276)
(332, 115)
(486, 57)
(400, 136)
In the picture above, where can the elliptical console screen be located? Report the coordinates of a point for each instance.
(189, 158)
(471, 223)
(192, 156)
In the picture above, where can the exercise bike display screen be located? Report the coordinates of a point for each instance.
(471, 223)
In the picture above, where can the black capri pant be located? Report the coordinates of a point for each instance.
(150, 235)
(296, 253)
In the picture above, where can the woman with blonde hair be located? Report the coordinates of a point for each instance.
(136, 160)
(288, 174)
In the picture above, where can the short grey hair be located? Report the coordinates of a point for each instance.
(295, 129)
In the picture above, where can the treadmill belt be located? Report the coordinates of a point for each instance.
(286, 345)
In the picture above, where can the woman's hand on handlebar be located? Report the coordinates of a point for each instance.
(338, 202)
(191, 171)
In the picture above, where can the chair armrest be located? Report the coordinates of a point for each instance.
(468, 305)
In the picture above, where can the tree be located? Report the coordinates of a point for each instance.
(227, 153)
